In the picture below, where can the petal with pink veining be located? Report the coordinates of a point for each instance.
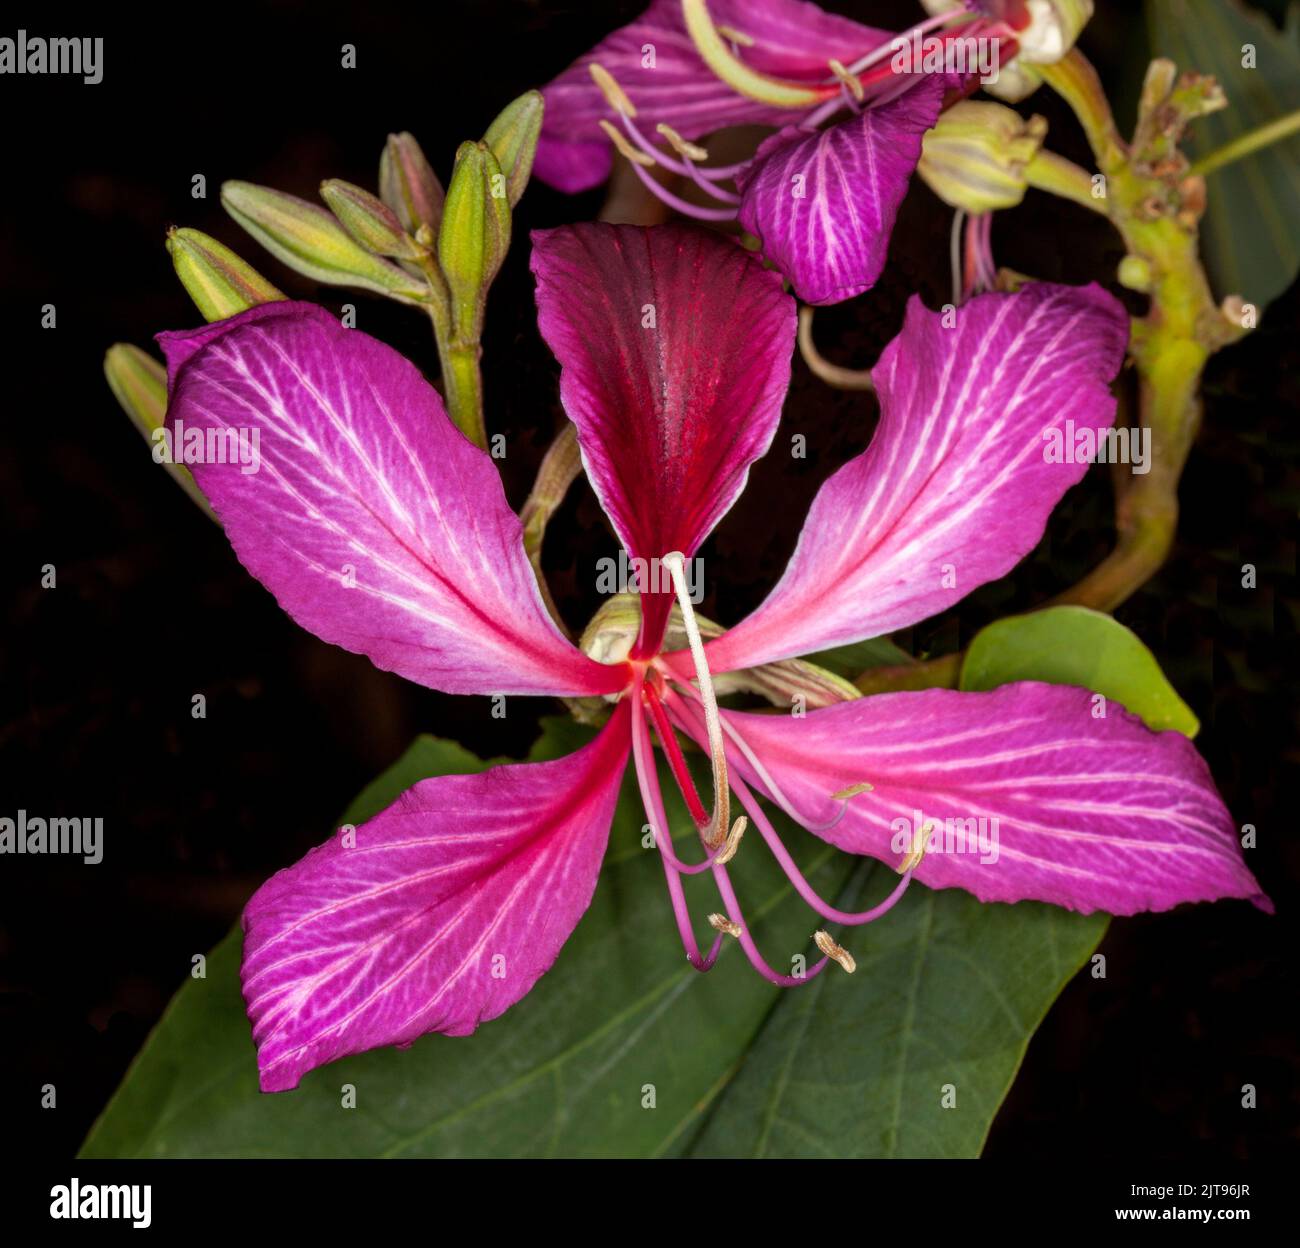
(445, 911)
(1034, 796)
(655, 61)
(675, 350)
(956, 486)
(373, 521)
(822, 204)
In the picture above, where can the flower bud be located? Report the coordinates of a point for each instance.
(369, 220)
(309, 240)
(1054, 26)
(139, 383)
(221, 283)
(408, 185)
(513, 140)
(474, 234)
(975, 156)
(1044, 30)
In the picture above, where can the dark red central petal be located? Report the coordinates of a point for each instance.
(675, 349)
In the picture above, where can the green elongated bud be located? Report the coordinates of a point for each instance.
(369, 220)
(309, 240)
(513, 140)
(408, 185)
(221, 283)
(474, 235)
(139, 383)
(975, 156)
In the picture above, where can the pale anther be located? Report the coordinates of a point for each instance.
(733, 841)
(683, 147)
(850, 81)
(609, 88)
(619, 140)
(836, 953)
(720, 923)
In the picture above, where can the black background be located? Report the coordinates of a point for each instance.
(151, 606)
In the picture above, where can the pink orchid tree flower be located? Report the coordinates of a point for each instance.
(822, 193)
(380, 528)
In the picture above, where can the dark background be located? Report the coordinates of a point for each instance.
(151, 606)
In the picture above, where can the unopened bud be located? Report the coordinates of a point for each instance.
(475, 233)
(1054, 26)
(369, 220)
(408, 185)
(309, 240)
(1050, 31)
(139, 383)
(221, 283)
(975, 156)
(1135, 273)
(513, 140)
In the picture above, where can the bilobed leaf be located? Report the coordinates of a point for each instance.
(946, 991)
(1248, 233)
(1076, 646)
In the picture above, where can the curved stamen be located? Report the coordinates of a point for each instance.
(652, 799)
(720, 823)
(954, 255)
(788, 865)
(651, 155)
(773, 789)
(797, 878)
(678, 204)
(736, 916)
(715, 53)
(685, 930)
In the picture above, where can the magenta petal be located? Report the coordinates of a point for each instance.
(446, 910)
(955, 488)
(373, 521)
(675, 349)
(822, 204)
(1089, 813)
(655, 61)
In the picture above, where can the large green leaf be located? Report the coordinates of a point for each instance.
(915, 1061)
(1076, 646)
(948, 991)
(1248, 233)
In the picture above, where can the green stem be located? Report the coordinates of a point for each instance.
(1057, 176)
(462, 378)
(1252, 141)
(1172, 342)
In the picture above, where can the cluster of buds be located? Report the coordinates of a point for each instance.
(412, 243)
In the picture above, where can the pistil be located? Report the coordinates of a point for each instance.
(720, 823)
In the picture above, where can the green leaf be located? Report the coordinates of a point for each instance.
(1076, 646)
(947, 991)
(942, 1006)
(1248, 233)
